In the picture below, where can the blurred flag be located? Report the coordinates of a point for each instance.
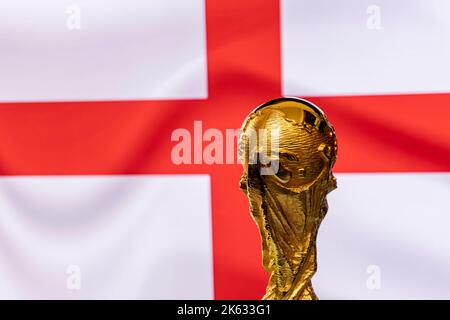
(93, 206)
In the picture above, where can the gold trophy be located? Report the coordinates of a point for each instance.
(288, 149)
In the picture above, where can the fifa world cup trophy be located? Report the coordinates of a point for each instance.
(288, 149)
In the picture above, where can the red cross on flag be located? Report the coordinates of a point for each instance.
(93, 205)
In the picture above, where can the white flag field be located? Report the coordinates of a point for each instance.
(95, 94)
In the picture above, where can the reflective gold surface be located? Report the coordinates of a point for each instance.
(289, 203)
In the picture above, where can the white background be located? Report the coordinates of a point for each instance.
(133, 237)
(398, 222)
(124, 50)
(327, 48)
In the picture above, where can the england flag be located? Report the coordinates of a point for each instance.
(96, 95)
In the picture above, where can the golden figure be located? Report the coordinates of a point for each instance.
(289, 203)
